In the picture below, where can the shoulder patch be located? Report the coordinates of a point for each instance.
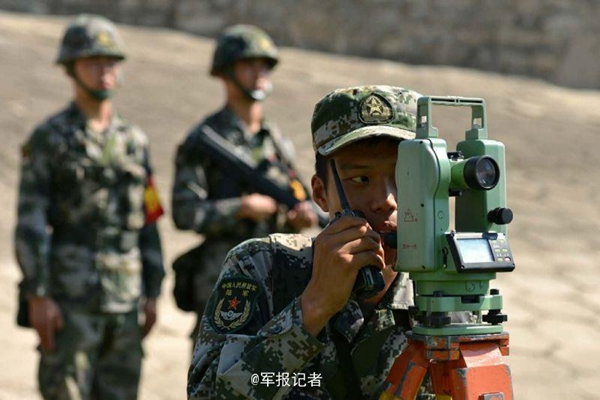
(152, 206)
(234, 303)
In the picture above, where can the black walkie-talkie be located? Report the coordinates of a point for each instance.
(369, 281)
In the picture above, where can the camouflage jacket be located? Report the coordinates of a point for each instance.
(252, 337)
(206, 197)
(86, 231)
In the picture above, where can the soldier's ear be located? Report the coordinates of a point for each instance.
(319, 192)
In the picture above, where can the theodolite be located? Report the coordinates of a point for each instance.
(452, 268)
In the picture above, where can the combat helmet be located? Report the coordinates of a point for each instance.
(239, 42)
(90, 36)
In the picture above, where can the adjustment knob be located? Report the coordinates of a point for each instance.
(495, 317)
(500, 216)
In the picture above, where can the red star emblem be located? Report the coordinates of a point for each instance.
(233, 303)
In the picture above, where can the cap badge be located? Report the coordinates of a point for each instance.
(104, 39)
(264, 44)
(375, 110)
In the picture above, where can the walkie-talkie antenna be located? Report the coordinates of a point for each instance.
(338, 185)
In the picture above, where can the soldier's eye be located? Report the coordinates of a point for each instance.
(360, 179)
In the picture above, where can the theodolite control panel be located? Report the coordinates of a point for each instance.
(480, 252)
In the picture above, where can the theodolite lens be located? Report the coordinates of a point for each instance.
(482, 173)
(486, 173)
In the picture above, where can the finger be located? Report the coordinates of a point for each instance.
(266, 197)
(367, 258)
(343, 223)
(148, 324)
(59, 322)
(361, 245)
(306, 213)
(303, 207)
(308, 221)
(374, 235)
(292, 214)
(34, 321)
(271, 201)
(304, 223)
(46, 336)
(51, 332)
(301, 213)
(352, 233)
(146, 329)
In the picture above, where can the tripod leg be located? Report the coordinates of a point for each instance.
(440, 378)
(481, 373)
(407, 373)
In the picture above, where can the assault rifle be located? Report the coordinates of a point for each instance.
(238, 162)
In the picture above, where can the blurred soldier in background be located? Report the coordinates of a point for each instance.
(207, 196)
(86, 237)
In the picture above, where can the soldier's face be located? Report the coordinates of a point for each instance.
(253, 73)
(368, 177)
(98, 73)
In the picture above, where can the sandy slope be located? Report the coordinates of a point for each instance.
(550, 133)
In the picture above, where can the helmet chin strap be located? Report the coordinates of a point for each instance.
(251, 94)
(98, 94)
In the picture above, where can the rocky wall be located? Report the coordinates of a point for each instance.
(556, 40)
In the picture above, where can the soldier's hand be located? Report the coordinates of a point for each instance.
(302, 216)
(45, 317)
(340, 251)
(257, 207)
(149, 308)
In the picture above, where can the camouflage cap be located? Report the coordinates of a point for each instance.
(347, 115)
(243, 41)
(90, 36)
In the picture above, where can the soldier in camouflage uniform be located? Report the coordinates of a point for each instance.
(206, 197)
(86, 237)
(281, 322)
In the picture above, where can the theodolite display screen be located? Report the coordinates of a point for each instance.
(478, 252)
(475, 250)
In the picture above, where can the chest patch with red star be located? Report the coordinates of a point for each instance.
(235, 300)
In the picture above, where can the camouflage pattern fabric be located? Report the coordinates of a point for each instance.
(206, 198)
(98, 356)
(86, 234)
(234, 344)
(242, 41)
(82, 235)
(347, 115)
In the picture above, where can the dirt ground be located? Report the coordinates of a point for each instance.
(552, 298)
